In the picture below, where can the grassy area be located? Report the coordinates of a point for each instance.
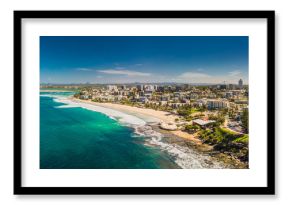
(222, 135)
(228, 131)
(194, 110)
(226, 141)
(243, 139)
(236, 137)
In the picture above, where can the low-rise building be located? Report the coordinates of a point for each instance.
(228, 94)
(84, 97)
(143, 99)
(217, 104)
(203, 123)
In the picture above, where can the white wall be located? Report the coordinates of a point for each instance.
(282, 87)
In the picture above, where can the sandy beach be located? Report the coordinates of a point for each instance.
(160, 116)
(55, 91)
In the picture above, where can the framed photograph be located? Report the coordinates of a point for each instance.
(144, 102)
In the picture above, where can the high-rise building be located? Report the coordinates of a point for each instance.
(160, 88)
(222, 86)
(240, 83)
(140, 87)
(112, 87)
(232, 86)
(149, 87)
(178, 88)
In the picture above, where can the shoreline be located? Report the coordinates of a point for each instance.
(158, 116)
(56, 91)
(178, 137)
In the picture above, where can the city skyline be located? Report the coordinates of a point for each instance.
(106, 60)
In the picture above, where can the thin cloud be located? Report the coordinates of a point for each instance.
(83, 69)
(235, 73)
(123, 72)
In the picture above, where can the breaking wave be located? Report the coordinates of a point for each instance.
(184, 157)
(123, 118)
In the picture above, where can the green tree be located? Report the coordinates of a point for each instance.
(245, 119)
(77, 95)
(184, 111)
(220, 118)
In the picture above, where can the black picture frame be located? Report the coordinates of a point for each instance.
(268, 190)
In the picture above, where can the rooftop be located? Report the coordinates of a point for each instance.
(203, 122)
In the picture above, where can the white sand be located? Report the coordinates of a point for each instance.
(159, 115)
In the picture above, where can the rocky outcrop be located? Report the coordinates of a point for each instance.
(168, 126)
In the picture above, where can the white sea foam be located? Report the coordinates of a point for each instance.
(123, 118)
(147, 131)
(46, 95)
(67, 106)
(184, 157)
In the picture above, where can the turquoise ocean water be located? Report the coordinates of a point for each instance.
(77, 138)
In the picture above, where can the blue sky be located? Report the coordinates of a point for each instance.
(126, 59)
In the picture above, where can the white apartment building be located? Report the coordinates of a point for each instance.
(112, 88)
(217, 104)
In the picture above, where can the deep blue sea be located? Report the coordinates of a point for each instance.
(78, 138)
